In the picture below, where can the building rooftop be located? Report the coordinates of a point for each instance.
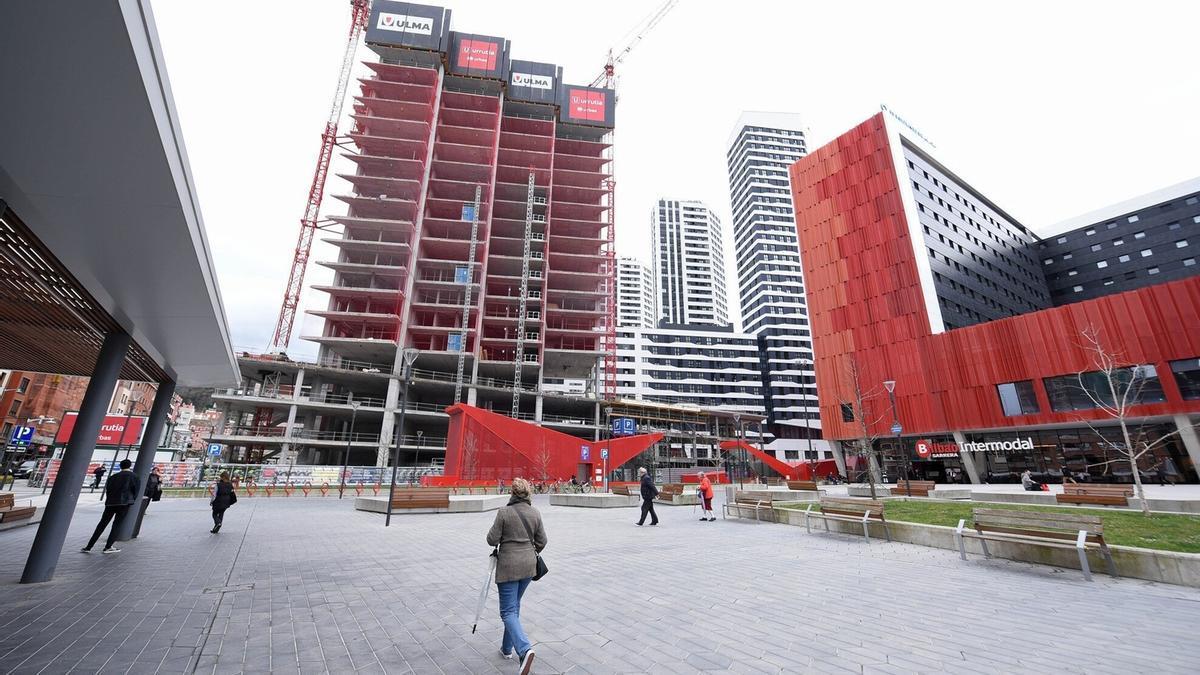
(1122, 208)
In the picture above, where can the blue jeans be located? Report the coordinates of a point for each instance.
(510, 613)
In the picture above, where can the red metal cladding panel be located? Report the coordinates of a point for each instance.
(482, 445)
(870, 324)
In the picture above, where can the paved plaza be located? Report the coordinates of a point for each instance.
(314, 586)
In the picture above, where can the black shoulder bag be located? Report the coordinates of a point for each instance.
(541, 564)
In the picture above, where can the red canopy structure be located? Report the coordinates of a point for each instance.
(485, 446)
(800, 471)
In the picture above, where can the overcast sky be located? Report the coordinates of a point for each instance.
(1050, 108)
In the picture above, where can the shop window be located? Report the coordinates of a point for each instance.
(1018, 398)
(1138, 384)
(1187, 376)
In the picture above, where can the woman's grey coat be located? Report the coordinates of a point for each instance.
(517, 558)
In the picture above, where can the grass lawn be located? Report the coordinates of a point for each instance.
(1167, 532)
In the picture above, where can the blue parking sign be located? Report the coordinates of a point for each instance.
(21, 436)
(214, 449)
(629, 426)
(585, 452)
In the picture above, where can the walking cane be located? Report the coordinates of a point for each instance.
(483, 593)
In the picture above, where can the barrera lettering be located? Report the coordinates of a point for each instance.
(405, 23)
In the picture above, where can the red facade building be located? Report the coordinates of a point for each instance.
(899, 253)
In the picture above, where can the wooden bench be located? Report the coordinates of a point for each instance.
(622, 490)
(1058, 530)
(668, 492)
(1108, 495)
(421, 498)
(848, 510)
(778, 482)
(10, 512)
(743, 501)
(806, 485)
(920, 488)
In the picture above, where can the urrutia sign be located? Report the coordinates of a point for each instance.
(927, 449)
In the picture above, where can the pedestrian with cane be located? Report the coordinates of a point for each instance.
(520, 537)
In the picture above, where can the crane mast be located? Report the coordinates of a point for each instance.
(359, 11)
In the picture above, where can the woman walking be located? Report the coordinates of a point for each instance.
(223, 498)
(706, 496)
(519, 533)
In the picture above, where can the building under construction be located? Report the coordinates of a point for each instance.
(479, 231)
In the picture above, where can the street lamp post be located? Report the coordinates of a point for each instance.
(890, 385)
(608, 416)
(410, 355)
(346, 453)
(420, 444)
(737, 419)
(812, 457)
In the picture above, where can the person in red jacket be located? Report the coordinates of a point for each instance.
(706, 497)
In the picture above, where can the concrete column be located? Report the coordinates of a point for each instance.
(52, 532)
(537, 407)
(285, 451)
(145, 456)
(967, 458)
(383, 452)
(839, 457)
(1191, 440)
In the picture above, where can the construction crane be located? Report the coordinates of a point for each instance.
(359, 11)
(607, 77)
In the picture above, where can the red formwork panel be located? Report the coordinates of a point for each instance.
(867, 310)
(483, 445)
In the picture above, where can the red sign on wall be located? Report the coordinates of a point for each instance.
(478, 54)
(112, 430)
(587, 104)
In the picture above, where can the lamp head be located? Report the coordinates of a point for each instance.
(410, 355)
(890, 385)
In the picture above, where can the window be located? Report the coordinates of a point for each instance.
(1191, 200)
(1095, 247)
(1139, 235)
(1181, 243)
(1018, 398)
(1188, 262)
(1147, 252)
(1090, 231)
(1133, 219)
(1061, 240)
(1048, 261)
(1187, 376)
(1123, 258)
(1081, 392)
(1077, 289)
(1152, 270)
(791, 454)
(1068, 256)
(847, 412)
(1072, 273)
(1118, 242)
(1102, 264)
(1108, 281)
(24, 386)
(1173, 226)
(1110, 226)
(16, 408)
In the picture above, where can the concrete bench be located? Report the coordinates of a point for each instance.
(742, 501)
(10, 512)
(918, 488)
(1056, 530)
(1102, 494)
(421, 498)
(861, 511)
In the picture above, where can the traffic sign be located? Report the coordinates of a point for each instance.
(896, 428)
(21, 436)
(624, 426)
(585, 452)
(604, 453)
(214, 449)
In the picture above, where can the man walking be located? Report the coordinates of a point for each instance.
(99, 474)
(121, 491)
(649, 492)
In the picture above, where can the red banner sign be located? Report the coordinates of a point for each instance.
(112, 430)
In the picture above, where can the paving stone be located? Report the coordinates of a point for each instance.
(333, 591)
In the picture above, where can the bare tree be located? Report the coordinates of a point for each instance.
(1119, 387)
(542, 461)
(856, 396)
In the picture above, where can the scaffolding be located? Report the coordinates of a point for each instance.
(524, 295)
(467, 282)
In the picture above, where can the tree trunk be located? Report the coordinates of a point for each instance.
(1130, 452)
(869, 452)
